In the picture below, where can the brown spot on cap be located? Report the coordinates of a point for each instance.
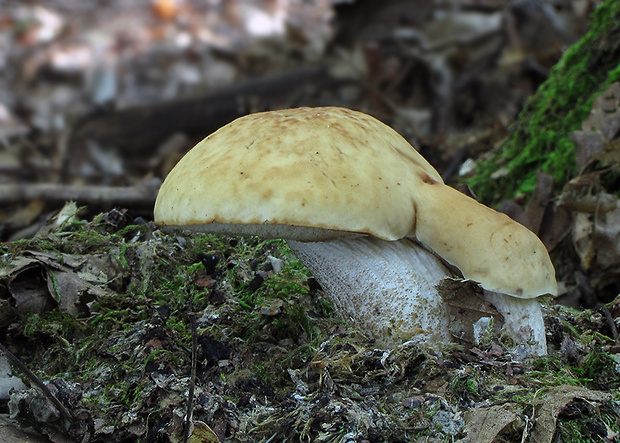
(427, 179)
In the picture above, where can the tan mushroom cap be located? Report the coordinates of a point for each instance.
(327, 168)
(287, 173)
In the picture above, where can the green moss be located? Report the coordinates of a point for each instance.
(288, 282)
(540, 140)
(581, 422)
(161, 356)
(562, 374)
(293, 323)
(141, 334)
(54, 323)
(600, 368)
(121, 259)
(465, 389)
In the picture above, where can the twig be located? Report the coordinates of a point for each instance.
(142, 194)
(192, 381)
(457, 160)
(200, 115)
(526, 428)
(34, 379)
(611, 323)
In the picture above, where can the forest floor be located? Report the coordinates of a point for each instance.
(121, 321)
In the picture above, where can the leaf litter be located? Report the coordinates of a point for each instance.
(99, 307)
(273, 363)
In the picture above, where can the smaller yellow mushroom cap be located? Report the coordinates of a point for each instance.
(485, 245)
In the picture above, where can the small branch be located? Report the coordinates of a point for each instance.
(611, 323)
(142, 194)
(201, 115)
(37, 381)
(192, 381)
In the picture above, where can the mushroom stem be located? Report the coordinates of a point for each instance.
(388, 288)
(523, 321)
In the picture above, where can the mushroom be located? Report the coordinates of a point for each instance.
(367, 214)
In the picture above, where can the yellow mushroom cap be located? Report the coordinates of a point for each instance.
(329, 168)
(311, 174)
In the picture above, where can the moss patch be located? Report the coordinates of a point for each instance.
(273, 360)
(540, 140)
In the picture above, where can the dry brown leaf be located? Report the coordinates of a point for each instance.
(595, 141)
(605, 115)
(587, 145)
(202, 433)
(37, 281)
(466, 306)
(25, 215)
(549, 405)
(11, 431)
(483, 425)
(592, 196)
(28, 287)
(551, 222)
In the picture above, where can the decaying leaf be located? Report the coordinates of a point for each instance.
(605, 115)
(24, 216)
(595, 141)
(38, 281)
(466, 307)
(592, 195)
(29, 289)
(591, 234)
(202, 433)
(597, 151)
(483, 425)
(596, 238)
(587, 145)
(67, 214)
(551, 222)
(8, 380)
(585, 194)
(12, 432)
(550, 404)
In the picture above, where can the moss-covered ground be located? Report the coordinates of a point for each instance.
(274, 363)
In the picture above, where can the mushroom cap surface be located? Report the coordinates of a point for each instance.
(312, 174)
(329, 168)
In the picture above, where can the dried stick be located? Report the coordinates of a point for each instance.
(192, 380)
(142, 194)
(611, 323)
(37, 381)
(200, 115)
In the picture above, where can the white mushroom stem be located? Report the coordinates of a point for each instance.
(388, 288)
(523, 321)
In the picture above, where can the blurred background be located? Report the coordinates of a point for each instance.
(99, 99)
